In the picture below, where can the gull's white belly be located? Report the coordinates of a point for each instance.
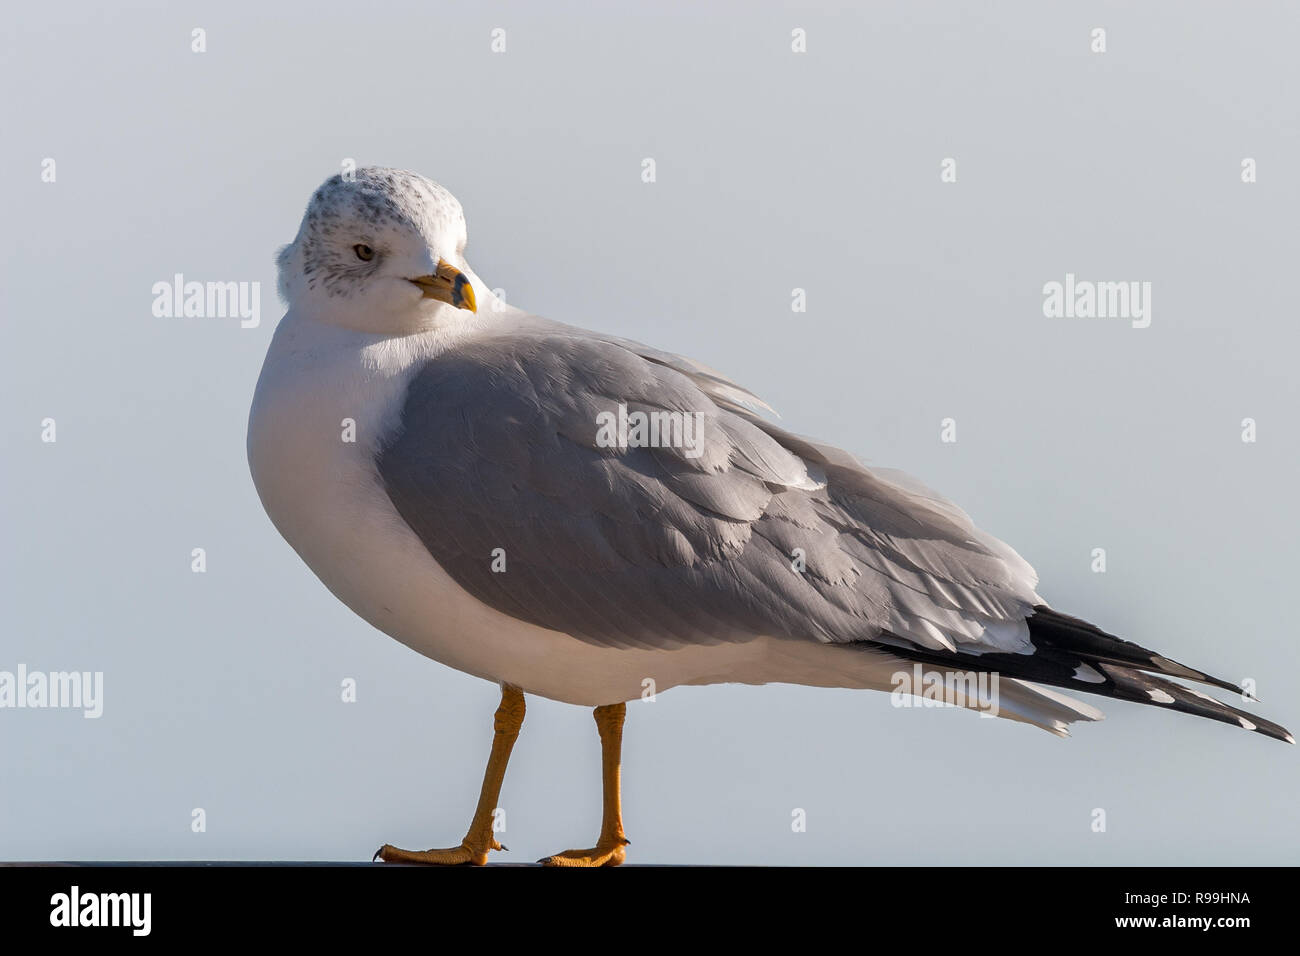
(326, 499)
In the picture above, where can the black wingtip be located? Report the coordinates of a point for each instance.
(1050, 628)
(1143, 688)
(1072, 654)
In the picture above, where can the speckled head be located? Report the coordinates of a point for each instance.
(383, 251)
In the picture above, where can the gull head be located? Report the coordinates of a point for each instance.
(381, 251)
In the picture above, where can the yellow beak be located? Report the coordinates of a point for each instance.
(448, 284)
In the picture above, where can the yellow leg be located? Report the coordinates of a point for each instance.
(479, 839)
(608, 850)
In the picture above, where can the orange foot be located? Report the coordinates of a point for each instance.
(463, 855)
(603, 854)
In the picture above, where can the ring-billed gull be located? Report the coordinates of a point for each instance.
(578, 516)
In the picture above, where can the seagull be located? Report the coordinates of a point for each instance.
(587, 519)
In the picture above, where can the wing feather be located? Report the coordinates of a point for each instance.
(761, 533)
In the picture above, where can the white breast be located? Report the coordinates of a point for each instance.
(324, 400)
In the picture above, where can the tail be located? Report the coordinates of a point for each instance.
(1075, 655)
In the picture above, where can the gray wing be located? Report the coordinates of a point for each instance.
(760, 533)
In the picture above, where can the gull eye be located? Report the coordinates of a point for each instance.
(363, 251)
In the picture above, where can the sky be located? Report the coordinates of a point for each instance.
(920, 172)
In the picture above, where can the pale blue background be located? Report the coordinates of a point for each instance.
(775, 170)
